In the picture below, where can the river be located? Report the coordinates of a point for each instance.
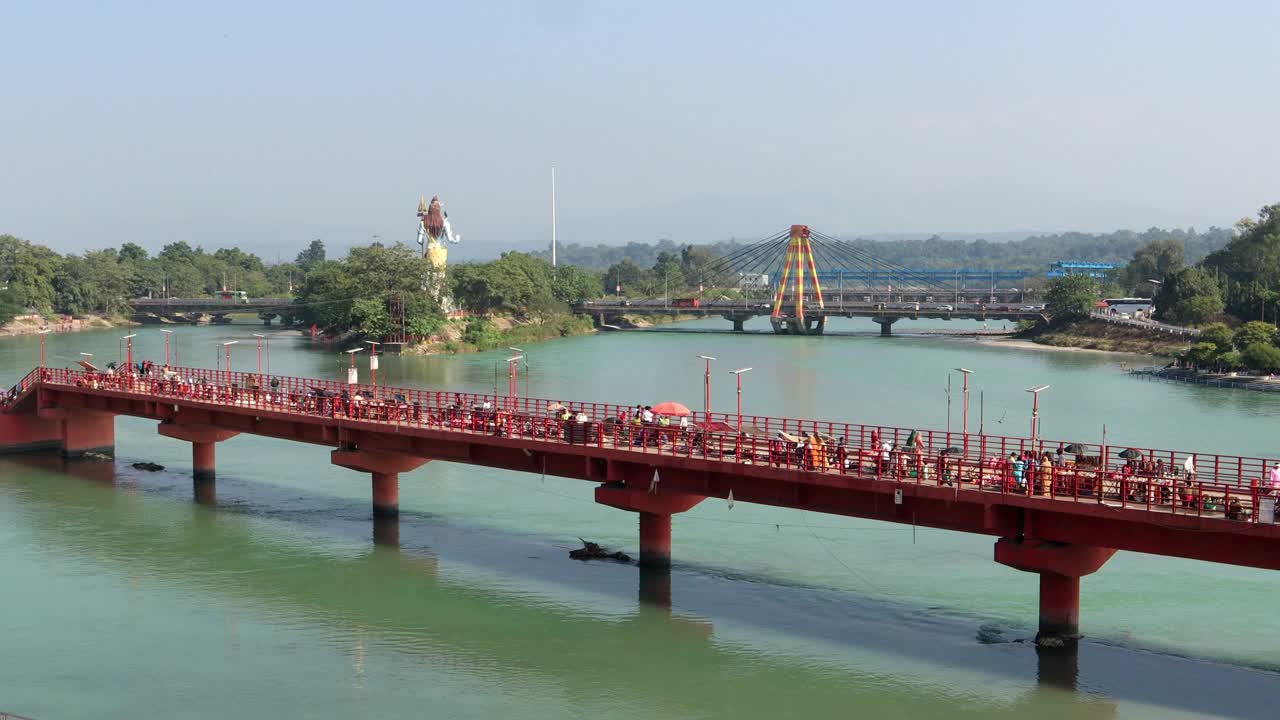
(123, 598)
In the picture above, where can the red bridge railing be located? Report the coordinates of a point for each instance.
(1221, 485)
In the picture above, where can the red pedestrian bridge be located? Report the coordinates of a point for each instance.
(1061, 520)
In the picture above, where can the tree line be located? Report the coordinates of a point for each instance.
(1033, 252)
(37, 279)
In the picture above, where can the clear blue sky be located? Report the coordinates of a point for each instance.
(267, 124)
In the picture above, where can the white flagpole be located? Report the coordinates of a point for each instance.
(553, 216)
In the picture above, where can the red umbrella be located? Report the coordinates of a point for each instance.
(671, 408)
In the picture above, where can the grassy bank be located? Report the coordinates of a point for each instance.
(1099, 335)
(480, 334)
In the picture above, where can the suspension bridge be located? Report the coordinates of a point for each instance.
(799, 278)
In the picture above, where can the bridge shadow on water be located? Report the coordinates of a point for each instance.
(396, 588)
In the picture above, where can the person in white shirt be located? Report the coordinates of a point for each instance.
(647, 416)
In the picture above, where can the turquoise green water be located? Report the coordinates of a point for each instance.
(125, 599)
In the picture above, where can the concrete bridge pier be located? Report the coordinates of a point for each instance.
(886, 325)
(385, 469)
(83, 432)
(655, 510)
(203, 439)
(1060, 567)
(738, 323)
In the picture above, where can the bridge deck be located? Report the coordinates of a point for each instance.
(971, 464)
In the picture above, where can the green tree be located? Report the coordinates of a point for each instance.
(1254, 332)
(1189, 296)
(1261, 356)
(1231, 361)
(1152, 261)
(132, 253)
(571, 284)
(668, 274)
(1071, 298)
(1201, 354)
(281, 277)
(1219, 335)
(369, 317)
(626, 274)
(312, 256)
(1254, 253)
(9, 306)
(326, 295)
(28, 271)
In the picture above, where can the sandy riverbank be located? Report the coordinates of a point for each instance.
(34, 324)
(1020, 344)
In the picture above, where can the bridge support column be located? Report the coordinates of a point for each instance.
(83, 432)
(886, 325)
(385, 468)
(28, 432)
(737, 324)
(203, 439)
(655, 512)
(1060, 567)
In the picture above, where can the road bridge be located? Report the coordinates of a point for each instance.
(198, 309)
(885, 311)
(1061, 521)
(807, 276)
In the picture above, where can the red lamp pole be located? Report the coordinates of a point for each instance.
(226, 346)
(128, 346)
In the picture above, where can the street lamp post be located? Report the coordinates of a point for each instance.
(373, 360)
(260, 337)
(739, 373)
(353, 375)
(513, 382)
(167, 333)
(42, 334)
(706, 390)
(226, 346)
(515, 371)
(964, 421)
(128, 339)
(1035, 413)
